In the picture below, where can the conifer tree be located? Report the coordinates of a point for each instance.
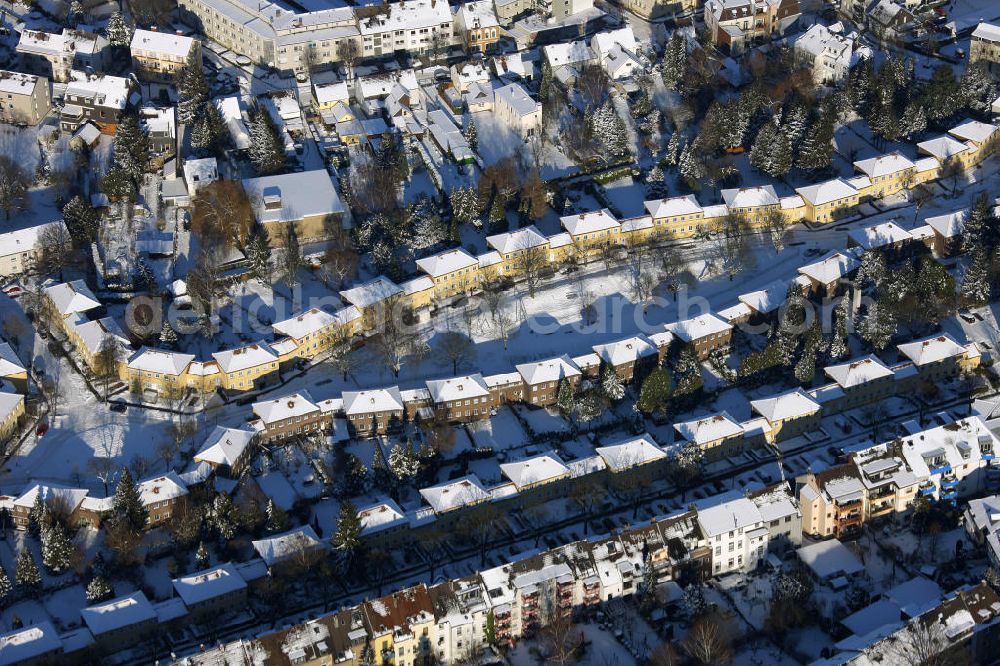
(347, 538)
(168, 336)
(26, 575)
(192, 89)
(673, 150)
(131, 149)
(201, 555)
(471, 134)
(654, 395)
(81, 220)
(57, 549)
(564, 398)
(98, 589)
(611, 384)
(258, 254)
(277, 520)
(126, 504)
(877, 326)
(267, 152)
(118, 31)
(975, 281)
(36, 515)
(5, 586)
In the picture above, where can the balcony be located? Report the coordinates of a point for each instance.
(926, 489)
(949, 481)
(949, 495)
(939, 468)
(881, 509)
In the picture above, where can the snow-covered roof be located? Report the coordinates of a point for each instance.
(517, 98)
(208, 584)
(551, 370)
(503, 379)
(928, 163)
(285, 407)
(457, 388)
(732, 313)
(161, 489)
(380, 515)
(417, 285)
(768, 299)
(790, 405)
(50, 493)
(446, 262)
(819, 194)
(224, 446)
(165, 43)
(17, 83)
(567, 53)
(858, 371)
(371, 292)
(637, 223)
(243, 358)
(72, 297)
(737, 514)
(585, 223)
(948, 225)
(118, 613)
(408, 15)
(22, 645)
(455, 494)
(630, 453)
(604, 42)
(674, 206)
(709, 429)
(373, 400)
(944, 442)
(942, 147)
(157, 360)
(698, 327)
(305, 323)
(291, 197)
(931, 350)
(831, 558)
(831, 268)
(328, 93)
(791, 202)
(101, 89)
(973, 130)
(987, 31)
(624, 351)
(879, 235)
(514, 241)
(26, 240)
(10, 364)
(524, 473)
(751, 197)
(281, 546)
(884, 165)
(562, 239)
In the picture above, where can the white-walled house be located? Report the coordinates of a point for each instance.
(517, 110)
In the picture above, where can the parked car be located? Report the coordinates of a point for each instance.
(43, 428)
(13, 290)
(119, 407)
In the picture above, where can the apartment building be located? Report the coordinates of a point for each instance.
(518, 248)
(160, 56)
(417, 27)
(833, 502)
(654, 9)
(293, 415)
(460, 612)
(24, 100)
(373, 411)
(705, 334)
(227, 450)
(828, 53)
(19, 249)
(718, 436)
(985, 46)
(477, 24)
(307, 201)
(462, 398)
(518, 111)
(737, 534)
(11, 414)
(788, 414)
(161, 496)
(940, 357)
(400, 625)
(735, 25)
(98, 98)
(212, 593)
(121, 622)
(629, 357)
(828, 201)
(754, 203)
(453, 273)
(676, 217)
(56, 55)
(592, 232)
(542, 379)
(860, 381)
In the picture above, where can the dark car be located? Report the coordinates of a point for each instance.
(119, 407)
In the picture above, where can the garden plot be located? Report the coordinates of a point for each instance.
(541, 421)
(502, 432)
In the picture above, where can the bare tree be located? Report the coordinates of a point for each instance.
(393, 340)
(480, 526)
(348, 53)
(593, 84)
(54, 251)
(641, 271)
(707, 642)
(923, 642)
(533, 261)
(734, 244)
(664, 655)
(776, 228)
(340, 260)
(14, 184)
(439, 432)
(589, 495)
(104, 469)
(107, 360)
(342, 355)
(222, 215)
(561, 641)
(455, 349)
